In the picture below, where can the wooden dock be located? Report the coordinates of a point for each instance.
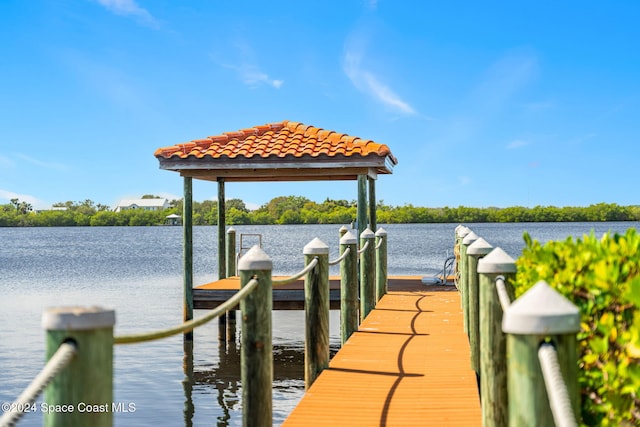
(291, 296)
(407, 365)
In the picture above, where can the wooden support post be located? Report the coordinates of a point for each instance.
(348, 286)
(231, 271)
(381, 263)
(187, 231)
(316, 307)
(367, 273)
(464, 259)
(362, 204)
(460, 232)
(493, 346)
(222, 264)
(85, 386)
(539, 315)
(343, 230)
(373, 222)
(475, 251)
(256, 348)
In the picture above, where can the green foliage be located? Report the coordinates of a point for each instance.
(602, 277)
(300, 210)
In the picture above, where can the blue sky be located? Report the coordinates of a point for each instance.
(483, 103)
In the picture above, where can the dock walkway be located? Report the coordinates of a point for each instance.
(407, 365)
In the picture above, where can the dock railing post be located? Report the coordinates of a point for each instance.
(367, 273)
(82, 393)
(231, 271)
(316, 307)
(475, 251)
(493, 347)
(348, 286)
(256, 346)
(542, 317)
(462, 271)
(468, 239)
(381, 263)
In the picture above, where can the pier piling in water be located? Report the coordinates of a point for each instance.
(316, 307)
(82, 393)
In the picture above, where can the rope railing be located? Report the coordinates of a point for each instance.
(556, 387)
(341, 257)
(191, 324)
(364, 248)
(296, 276)
(503, 295)
(24, 402)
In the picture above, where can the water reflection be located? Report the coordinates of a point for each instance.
(224, 378)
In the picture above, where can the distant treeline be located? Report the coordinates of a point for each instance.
(300, 210)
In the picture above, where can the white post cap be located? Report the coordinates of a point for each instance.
(231, 230)
(348, 239)
(77, 318)
(316, 247)
(343, 229)
(541, 311)
(470, 238)
(463, 231)
(479, 247)
(381, 232)
(255, 259)
(367, 234)
(497, 261)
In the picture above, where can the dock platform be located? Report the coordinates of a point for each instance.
(407, 365)
(291, 296)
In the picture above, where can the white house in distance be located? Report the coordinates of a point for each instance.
(144, 204)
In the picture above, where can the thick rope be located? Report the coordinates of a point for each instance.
(295, 277)
(364, 248)
(503, 295)
(379, 243)
(556, 388)
(341, 257)
(24, 402)
(191, 324)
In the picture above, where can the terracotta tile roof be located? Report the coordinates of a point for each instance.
(277, 140)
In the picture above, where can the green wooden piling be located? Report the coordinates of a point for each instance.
(231, 271)
(82, 393)
(362, 204)
(493, 347)
(367, 273)
(256, 351)
(222, 225)
(381, 263)
(460, 270)
(373, 222)
(468, 239)
(475, 251)
(342, 231)
(348, 286)
(187, 231)
(539, 315)
(316, 307)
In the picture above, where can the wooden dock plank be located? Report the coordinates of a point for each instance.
(407, 365)
(291, 296)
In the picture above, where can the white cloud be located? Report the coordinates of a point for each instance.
(253, 77)
(247, 68)
(518, 143)
(43, 164)
(6, 196)
(130, 8)
(366, 81)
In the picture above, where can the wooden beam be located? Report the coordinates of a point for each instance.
(362, 204)
(187, 229)
(372, 205)
(222, 260)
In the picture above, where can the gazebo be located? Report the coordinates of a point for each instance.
(284, 151)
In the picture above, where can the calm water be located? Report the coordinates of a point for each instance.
(137, 271)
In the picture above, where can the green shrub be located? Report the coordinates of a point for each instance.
(602, 277)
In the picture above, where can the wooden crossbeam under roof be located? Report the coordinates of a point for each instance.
(285, 151)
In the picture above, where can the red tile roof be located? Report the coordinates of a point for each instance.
(284, 139)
